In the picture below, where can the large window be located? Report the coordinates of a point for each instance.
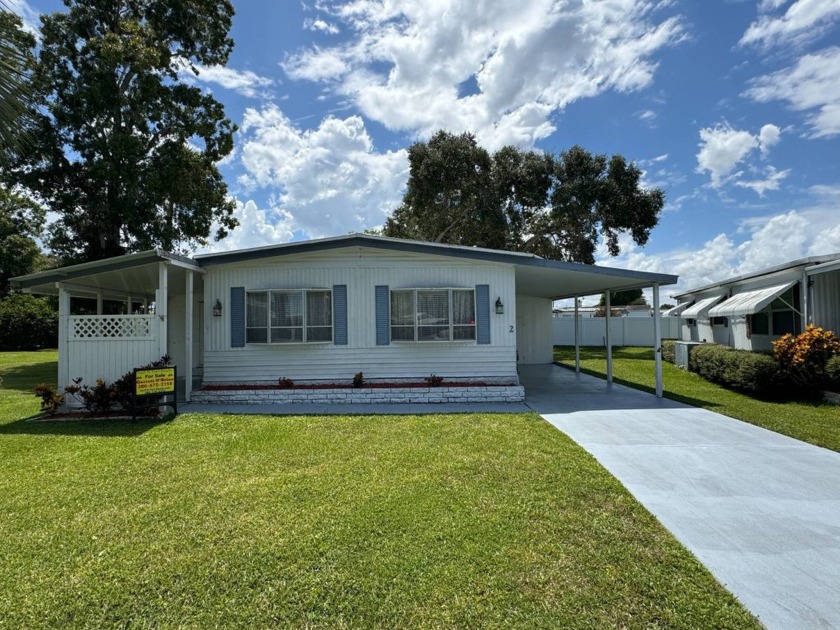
(777, 319)
(433, 315)
(303, 316)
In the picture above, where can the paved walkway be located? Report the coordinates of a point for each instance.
(760, 510)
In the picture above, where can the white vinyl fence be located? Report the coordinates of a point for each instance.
(624, 331)
(108, 346)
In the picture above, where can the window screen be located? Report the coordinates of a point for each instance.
(433, 315)
(288, 316)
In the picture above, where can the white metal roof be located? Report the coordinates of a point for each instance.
(701, 308)
(749, 302)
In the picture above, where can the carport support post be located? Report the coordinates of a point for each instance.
(657, 340)
(188, 341)
(63, 333)
(161, 307)
(577, 337)
(607, 340)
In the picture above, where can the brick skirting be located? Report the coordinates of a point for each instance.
(486, 393)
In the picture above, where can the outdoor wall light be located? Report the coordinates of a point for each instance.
(217, 308)
(500, 308)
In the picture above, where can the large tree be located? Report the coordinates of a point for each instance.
(127, 151)
(21, 221)
(554, 206)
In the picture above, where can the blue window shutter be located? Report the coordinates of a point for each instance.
(482, 313)
(339, 305)
(383, 323)
(237, 317)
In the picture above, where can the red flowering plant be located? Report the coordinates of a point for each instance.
(803, 357)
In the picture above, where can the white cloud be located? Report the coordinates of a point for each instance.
(722, 148)
(813, 83)
(805, 20)
(758, 243)
(322, 25)
(31, 18)
(407, 61)
(244, 82)
(771, 181)
(257, 228)
(331, 179)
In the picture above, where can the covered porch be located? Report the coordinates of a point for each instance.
(121, 313)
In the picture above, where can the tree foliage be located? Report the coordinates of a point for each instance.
(623, 298)
(126, 151)
(21, 221)
(553, 206)
(15, 92)
(27, 322)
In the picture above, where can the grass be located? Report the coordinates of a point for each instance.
(813, 422)
(236, 521)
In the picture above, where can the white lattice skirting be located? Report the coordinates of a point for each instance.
(111, 327)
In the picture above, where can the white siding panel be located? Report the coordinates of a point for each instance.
(361, 272)
(825, 300)
(533, 329)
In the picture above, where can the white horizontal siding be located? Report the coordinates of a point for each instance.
(361, 271)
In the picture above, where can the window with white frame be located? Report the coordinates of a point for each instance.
(299, 316)
(433, 315)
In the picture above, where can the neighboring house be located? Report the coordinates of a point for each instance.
(753, 310)
(569, 311)
(318, 310)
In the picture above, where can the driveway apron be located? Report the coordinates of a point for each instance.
(760, 510)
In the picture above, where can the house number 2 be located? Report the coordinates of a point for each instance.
(511, 329)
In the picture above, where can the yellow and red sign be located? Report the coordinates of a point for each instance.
(154, 381)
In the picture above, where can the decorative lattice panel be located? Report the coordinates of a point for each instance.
(104, 327)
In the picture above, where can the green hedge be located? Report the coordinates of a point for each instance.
(668, 352)
(27, 323)
(748, 372)
(832, 373)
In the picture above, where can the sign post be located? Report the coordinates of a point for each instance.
(157, 382)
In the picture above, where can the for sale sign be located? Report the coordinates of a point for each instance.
(154, 381)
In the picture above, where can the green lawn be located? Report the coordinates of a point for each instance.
(236, 521)
(816, 423)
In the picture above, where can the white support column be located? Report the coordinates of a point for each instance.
(657, 340)
(63, 332)
(577, 336)
(162, 307)
(188, 339)
(99, 302)
(804, 300)
(608, 341)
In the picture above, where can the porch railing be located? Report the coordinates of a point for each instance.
(110, 327)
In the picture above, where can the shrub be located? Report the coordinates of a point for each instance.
(803, 358)
(748, 372)
(832, 373)
(358, 379)
(50, 400)
(27, 323)
(285, 383)
(102, 396)
(669, 350)
(433, 381)
(97, 398)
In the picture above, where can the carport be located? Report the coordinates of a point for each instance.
(549, 280)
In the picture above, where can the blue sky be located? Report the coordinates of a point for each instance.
(732, 107)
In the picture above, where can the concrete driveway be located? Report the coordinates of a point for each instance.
(760, 510)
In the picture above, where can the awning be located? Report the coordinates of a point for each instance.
(700, 308)
(749, 302)
(676, 310)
